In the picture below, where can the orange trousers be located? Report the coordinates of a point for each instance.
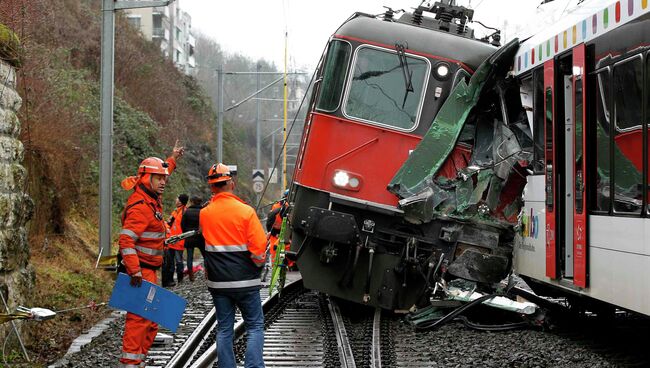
(274, 244)
(139, 333)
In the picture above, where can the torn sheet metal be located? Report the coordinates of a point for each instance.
(425, 161)
(484, 191)
(500, 302)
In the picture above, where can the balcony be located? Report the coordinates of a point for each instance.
(161, 10)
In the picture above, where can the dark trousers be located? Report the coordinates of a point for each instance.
(172, 260)
(190, 256)
(250, 305)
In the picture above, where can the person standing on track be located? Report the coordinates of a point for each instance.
(189, 222)
(174, 253)
(235, 249)
(274, 225)
(141, 246)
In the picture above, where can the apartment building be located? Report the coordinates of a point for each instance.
(171, 28)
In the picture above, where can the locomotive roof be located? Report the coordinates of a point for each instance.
(587, 22)
(471, 52)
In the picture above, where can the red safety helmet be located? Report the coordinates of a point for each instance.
(153, 165)
(218, 173)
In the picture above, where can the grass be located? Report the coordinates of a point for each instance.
(66, 278)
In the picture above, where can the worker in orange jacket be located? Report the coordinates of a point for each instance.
(173, 258)
(141, 246)
(235, 249)
(274, 225)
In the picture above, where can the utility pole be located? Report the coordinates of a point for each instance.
(106, 116)
(258, 165)
(284, 158)
(220, 117)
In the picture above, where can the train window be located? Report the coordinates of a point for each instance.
(387, 88)
(579, 181)
(628, 136)
(538, 121)
(602, 175)
(549, 149)
(334, 71)
(647, 119)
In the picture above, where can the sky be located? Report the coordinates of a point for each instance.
(257, 29)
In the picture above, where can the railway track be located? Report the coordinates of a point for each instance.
(302, 329)
(308, 329)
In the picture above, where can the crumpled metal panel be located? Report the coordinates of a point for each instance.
(475, 193)
(425, 161)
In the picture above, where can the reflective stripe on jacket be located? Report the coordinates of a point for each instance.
(235, 243)
(143, 229)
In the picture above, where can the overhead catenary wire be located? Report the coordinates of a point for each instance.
(277, 160)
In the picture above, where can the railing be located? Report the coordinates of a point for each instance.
(158, 32)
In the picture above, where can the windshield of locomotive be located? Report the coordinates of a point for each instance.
(386, 88)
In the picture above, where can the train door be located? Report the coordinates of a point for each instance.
(579, 167)
(550, 169)
(566, 220)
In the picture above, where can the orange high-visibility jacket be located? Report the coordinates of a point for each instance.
(176, 229)
(235, 243)
(277, 223)
(143, 228)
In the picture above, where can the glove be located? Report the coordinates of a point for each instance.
(136, 279)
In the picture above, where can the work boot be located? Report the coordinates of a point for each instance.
(179, 277)
(190, 274)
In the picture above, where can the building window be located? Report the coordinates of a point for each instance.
(157, 26)
(134, 21)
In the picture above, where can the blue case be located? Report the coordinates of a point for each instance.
(149, 301)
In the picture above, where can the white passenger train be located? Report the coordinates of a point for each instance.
(586, 218)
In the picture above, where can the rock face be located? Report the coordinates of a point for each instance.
(16, 208)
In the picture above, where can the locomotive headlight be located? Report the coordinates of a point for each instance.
(341, 179)
(347, 180)
(442, 71)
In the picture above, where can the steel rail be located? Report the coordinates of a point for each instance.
(375, 349)
(343, 343)
(209, 357)
(193, 342)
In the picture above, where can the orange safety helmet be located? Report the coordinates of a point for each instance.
(218, 173)
(148, 166)
(153, 165)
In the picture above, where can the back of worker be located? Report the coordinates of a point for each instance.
(234, 243)
(235, 246)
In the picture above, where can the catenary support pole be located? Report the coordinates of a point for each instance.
(284, 147)
(220, 117)
(106, 128)
(106, 114)
(258, 132)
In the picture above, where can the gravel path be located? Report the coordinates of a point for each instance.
(454, 345)
(105, 349)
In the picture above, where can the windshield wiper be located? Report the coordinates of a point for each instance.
(408, 74)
